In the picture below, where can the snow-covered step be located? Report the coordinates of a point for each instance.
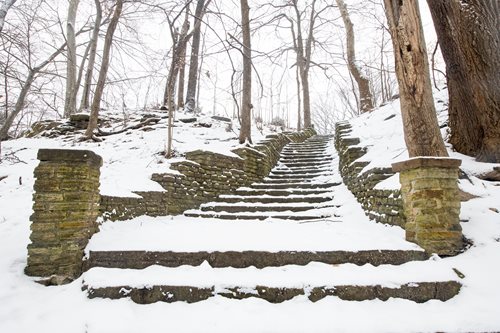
(183, 234)
(306, 164)
(291, 215)
(286, 171)
(417, 281)
(305, 159)
(284, 189)
(276, 199)
(294, 186)
(292, 176)
(242, 259)
(244, 208)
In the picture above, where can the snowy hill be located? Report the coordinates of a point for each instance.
(131, 157)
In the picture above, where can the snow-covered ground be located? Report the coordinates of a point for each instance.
(128, 161)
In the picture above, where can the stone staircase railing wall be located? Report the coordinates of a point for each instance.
(201, 178)
(385, 206)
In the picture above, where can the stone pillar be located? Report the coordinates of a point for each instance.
(429, 187)
(66, 206)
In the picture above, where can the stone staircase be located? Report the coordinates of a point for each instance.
(275, 240)
(299, 188)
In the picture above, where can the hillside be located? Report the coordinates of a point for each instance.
(132, 156)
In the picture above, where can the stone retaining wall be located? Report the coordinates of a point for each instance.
(385, 206)
(201, 178)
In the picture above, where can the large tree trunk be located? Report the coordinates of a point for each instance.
(246, 101)
(195, 50)
(70, 100)
(84, 104)
(4, 9)
(421, 130)
(469, 36)
(103, 72)
(365, 95)
(304, 76)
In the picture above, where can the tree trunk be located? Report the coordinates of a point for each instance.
(195, 51)
(469, 37)
(180, 85)
(70, 100)
(299, 102)
(178, 49)
(80, 70)
(108, 41)
(4, 9)
(246, 101)
(84, 105)
(421, 130)
(365, 95)
(304, 76)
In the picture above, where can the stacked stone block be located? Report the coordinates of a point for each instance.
(202, 177)
(384, 206)
(432, 203)
(66, 206)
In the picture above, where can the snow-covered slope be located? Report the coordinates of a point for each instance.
(130, 159)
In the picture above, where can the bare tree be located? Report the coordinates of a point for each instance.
(421, 130)
(108, 41)
(246, 100)
(70, 101)
(363, 83)
(4, 8)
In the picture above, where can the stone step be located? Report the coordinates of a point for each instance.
(256, 216)
(300, 159)
(305, 155)
(292, 181)
(266, 189)
(307, 146)
(271, 199)
(295, 176)
(242, 259)
(306, 164)
(295, 187)
(316, 281)
(304, 151)
(300, 171)
(221, 207)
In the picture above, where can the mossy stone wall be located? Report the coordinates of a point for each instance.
(66, 206)
(384, 206)
(202, 177)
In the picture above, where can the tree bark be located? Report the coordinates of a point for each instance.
(4, 9)
(365, 95)
(180, 85)
(421, 130)
(246, 100)
(195, 51)
(84, 104)
(103, 72)
(469, 37)
(70, 100)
